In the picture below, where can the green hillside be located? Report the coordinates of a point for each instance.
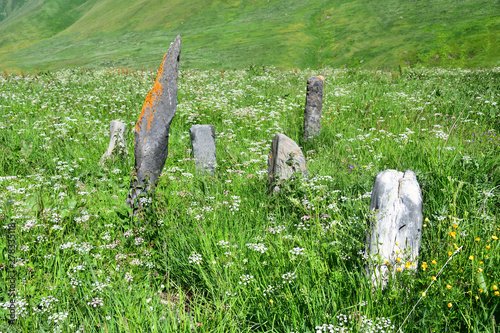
(52, 34)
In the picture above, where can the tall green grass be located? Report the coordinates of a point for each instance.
(218, 254)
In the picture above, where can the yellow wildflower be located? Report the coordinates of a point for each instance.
(399, 269)
(408, 264)
(477, 297)
(424, 266)
(487, 247)
(471, 257)
(453, 234)
(497, 293)
(455, 226)
(448, 286)
(495, 288)
(478, 239)
(480, 270)
(450, 253)
(494, 237)
(450, 305)
(398, 259)
(434, 262)
(423, 294)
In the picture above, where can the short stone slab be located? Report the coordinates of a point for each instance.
(284, 160)
(314, 106)
(203, 143)
(117, 141)
(396, 225)
(153, 125)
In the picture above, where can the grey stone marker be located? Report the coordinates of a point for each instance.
(285, 159)
(396, 225)
(153, 125)
(117, 140)
(314, 105)
(203, 142)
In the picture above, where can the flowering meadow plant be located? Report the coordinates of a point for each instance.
(217, 253)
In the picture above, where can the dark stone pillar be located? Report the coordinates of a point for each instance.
(314, 106)
(151, 130)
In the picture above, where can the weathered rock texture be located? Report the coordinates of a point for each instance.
(396, 225)
(117, 141)
(151, 130)
(285, 159)
(203, 142)
(314, 105)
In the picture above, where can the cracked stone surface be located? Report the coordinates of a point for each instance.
(152, 128)
(396, 225)
(285, 159)
(314, 106)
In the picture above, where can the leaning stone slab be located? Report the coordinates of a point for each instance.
(396, 225)
(203, 143)
(284, 160)
(117, 141)
(153, 125)
(314, 105)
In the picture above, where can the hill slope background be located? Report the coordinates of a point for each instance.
(53, 34)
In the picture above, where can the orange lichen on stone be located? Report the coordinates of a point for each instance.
(152, 98)
(321, 77)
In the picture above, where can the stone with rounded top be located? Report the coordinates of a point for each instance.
(152, 128)
(393, 241)
(284, 160)
(203, 144)
(117, 141)
(314, 106)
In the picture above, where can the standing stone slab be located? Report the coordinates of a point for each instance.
(396, 225)
(285, 159)
(203, 142)
(314, 105)
(151, 130)
(117, 140)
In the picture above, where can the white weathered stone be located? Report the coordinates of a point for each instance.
(396, 225)
(117, 140)
(285, 159)
(203, 143)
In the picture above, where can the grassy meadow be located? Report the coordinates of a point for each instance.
(218, 254)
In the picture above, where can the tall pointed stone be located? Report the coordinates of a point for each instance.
(151, 130)
(203, 143)
(396, 225)
(117, 141)
(314, 106)
(285, 159)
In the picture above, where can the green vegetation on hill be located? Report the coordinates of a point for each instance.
(53, 34)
